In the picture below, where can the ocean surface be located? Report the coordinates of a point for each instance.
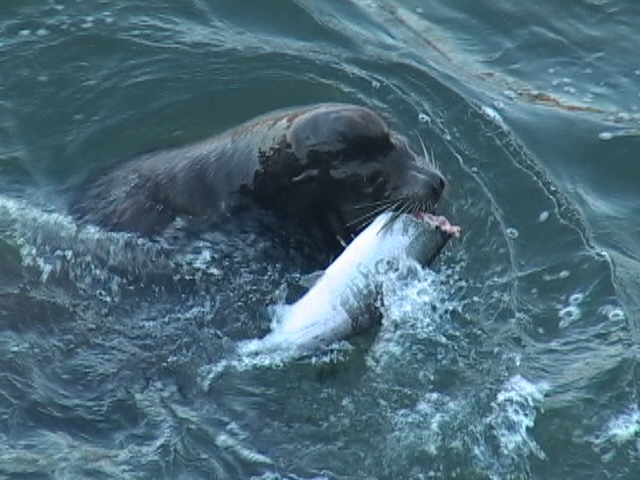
(516, 359)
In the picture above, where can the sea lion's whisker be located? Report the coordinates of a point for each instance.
(406, 206)
(386, 201)
(376, 211)
(373, 213)
(427, 159)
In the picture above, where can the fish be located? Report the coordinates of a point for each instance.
(347, 298)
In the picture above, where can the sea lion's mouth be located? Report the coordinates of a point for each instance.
(420, 207)
(440, 222)
(424, 210)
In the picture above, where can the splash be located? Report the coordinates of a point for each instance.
(447, 437)
(347, 299)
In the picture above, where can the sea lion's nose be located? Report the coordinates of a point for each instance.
(438, 184)
(428, 183)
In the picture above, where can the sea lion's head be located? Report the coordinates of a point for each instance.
(339, 167)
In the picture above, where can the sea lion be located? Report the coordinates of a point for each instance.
(328, 168)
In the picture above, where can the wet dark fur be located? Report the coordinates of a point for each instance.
(328, 169)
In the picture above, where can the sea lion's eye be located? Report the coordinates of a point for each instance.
(372, 179)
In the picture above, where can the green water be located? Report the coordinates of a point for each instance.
(519, 362)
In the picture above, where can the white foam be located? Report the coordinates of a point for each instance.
(492, 114)
(514, 413)
(54, 248)
(496, 443)
(569, 315)
(621, 429)
(58, 248)
(415, 300)
(490, 439)
(612, 312)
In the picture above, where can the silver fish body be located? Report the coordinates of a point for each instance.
(346, 300)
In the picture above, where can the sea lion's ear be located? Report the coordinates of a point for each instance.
(333, 128)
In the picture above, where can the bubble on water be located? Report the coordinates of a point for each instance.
(491, 114)
(616, 314)
(605, 135)
(386, 266)
(512, 233)
(623, 117)
(88, 22)
(576, 298)
(544, 216)
(423, 118)
(422, 295)
(560, 81)
(612, 312)
(602, 254)
(569, 315)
